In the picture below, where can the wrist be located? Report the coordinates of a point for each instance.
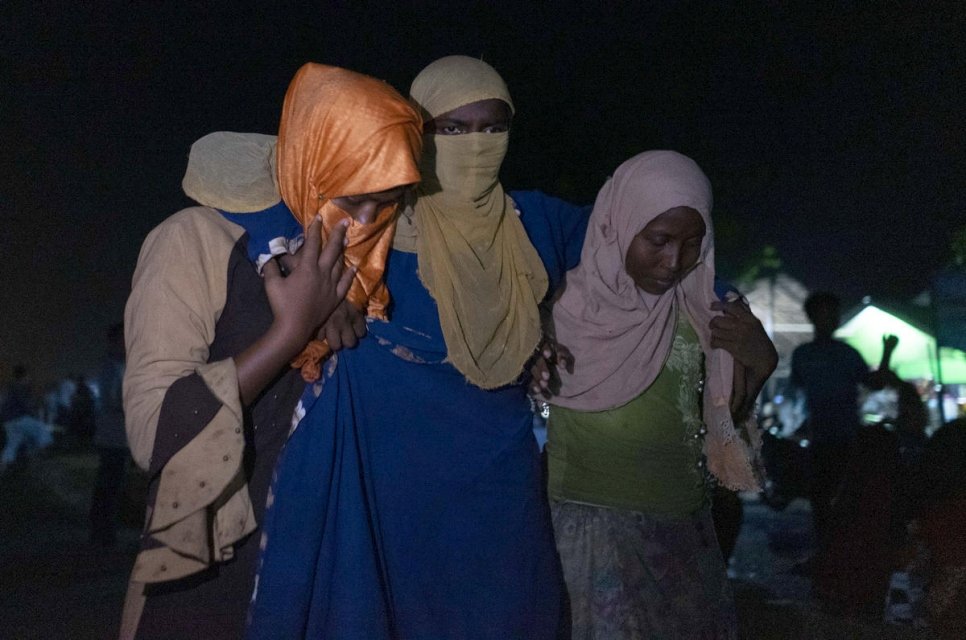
(285, 340)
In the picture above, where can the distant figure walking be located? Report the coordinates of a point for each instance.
(829, 372)
(111, 442)
(25, 432)
(80, 414)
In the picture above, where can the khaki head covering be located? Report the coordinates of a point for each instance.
(454, 81)
(343, 133)
(232, 172)
(474, 255)
(620, 337)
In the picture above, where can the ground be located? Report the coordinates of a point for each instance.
(55, 585)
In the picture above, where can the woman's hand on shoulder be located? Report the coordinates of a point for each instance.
(741, 334)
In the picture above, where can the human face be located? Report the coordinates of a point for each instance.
(482, 116)
(665, 250)
(364, 207)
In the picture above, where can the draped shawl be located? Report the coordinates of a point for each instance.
(621, 336)
(474, 255)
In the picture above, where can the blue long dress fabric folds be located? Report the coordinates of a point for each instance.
(408, 503)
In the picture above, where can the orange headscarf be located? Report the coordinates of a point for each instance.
(341, 134)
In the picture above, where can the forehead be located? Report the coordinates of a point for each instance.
(380, 196)
(679, 221)
(491, 109)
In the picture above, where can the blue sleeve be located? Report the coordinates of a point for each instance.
(723, 288)
(556, 228)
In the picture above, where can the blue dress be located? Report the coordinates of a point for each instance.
(409, 503)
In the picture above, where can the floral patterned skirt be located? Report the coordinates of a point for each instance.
(635, 575)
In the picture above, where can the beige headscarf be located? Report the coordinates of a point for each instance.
(620, 337)
(474, 255)
(232, 172)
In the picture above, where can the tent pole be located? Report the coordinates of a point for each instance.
(933, 304)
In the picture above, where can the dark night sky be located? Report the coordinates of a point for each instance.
(835, 135)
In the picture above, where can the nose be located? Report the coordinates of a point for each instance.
(672, 259)
(366, 213)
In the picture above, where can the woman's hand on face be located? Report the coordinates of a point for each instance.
(344, 328)
(314, 286)
(545, 379)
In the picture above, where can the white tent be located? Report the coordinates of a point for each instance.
(916, 357)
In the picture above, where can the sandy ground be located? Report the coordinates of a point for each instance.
(53, 585)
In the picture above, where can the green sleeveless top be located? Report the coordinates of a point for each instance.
(643, 456)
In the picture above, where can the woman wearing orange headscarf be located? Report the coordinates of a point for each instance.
(208, 392)
(358, 172)
(408, 502)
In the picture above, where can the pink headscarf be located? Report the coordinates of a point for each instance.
(621, 336)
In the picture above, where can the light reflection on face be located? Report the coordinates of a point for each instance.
(665, 250)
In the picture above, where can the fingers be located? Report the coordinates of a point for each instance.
(565, 359)
(722, 329)
(287, 262)
(344, 328)
(271, 271)
(544, 371)
(349, 338)
(540, 381)
(358, 321)
(341, 326)
(738, 389)
(332, 251)
(345, 280)
(736, 326)
(735, 308)
(333, 336)
(313, 240)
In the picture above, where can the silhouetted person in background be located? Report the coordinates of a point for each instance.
(111, 442)
(869, 514)
(941, 514)
(80, 414)
(829, 372)
(24, 431)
